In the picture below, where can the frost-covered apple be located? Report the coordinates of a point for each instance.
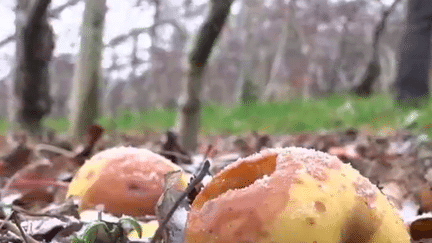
(125, 180)
(292, 195)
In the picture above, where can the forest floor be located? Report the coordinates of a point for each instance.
(389, 146)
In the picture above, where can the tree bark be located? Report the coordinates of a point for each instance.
(152, 86)
(53, 13)
(388, 67)
(34, 50)
(88, 75)
(412, 80)
(373, 69)
(337, 62)
(273, 85)
(245, 30)
(189, 112)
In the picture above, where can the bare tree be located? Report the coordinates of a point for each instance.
(87, 75)
(336, 64)
(53, 13)
(189, 112)
(245, 28)
(320, 55)
(34, 48)
(273, 86)
(373, 69)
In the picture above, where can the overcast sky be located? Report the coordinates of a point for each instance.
(121, 17)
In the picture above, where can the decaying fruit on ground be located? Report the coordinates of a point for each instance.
(125, 180)
(292, 195)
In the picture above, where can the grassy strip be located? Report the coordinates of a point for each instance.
(334, 112)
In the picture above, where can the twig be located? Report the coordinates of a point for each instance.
(54, 149)
(17, 222)
(204, 161)
(5, 222)
(204, 171)
(55, 12)
(7, 40)
(207, 153)
(27, 238)
(10, 227)
(137, 31)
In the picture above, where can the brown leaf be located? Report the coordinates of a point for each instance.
(39, 174)
(174, 230)
(425, 198)
(38, 197)
(243, 147)
(94, 132)
(421, 229)
(172, 190)
(15, 160)
(262, 141)
(69, 207)
(172, 150)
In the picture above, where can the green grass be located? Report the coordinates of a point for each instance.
(3, 126)
(334, 112)
(297, 116)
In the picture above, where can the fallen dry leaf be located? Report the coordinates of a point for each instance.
(94, 132)
(421, 229)
(15, 160)
(171, 150)
(173, 189)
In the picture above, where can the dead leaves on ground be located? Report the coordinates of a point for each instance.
(399, 162)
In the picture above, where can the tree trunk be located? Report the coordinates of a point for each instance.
(34, 48)
(245, 30)
(388, 70)
(189, 112)
(87, 75)
(373, 69)
(152, 85)
(273, 85)
(415, 54)
(262, 71)
(337, 62)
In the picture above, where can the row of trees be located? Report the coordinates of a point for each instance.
(267, 50)
(34, 48)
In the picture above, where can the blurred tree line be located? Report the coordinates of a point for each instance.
(271, 50)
